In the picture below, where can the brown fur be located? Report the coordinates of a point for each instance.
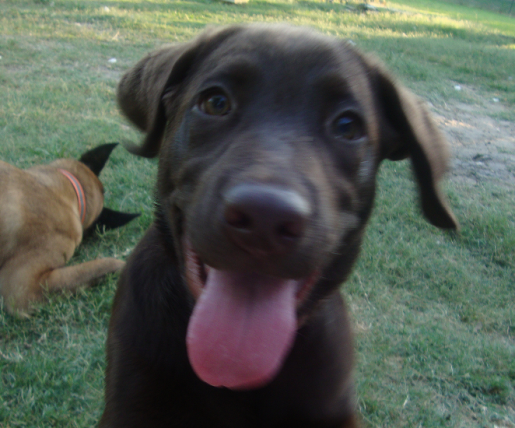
(40, 227)
(288, 88)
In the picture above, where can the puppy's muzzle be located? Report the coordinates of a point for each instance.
(264, 219)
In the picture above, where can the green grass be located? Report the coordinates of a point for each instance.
(500, 6)
(434, 312)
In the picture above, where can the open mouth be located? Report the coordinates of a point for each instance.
(197, 273)
(243, 324)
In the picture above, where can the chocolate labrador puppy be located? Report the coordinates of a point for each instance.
(228, 313)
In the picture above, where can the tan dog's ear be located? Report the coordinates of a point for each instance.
(95, 159)
(158, 75)
(407, 129)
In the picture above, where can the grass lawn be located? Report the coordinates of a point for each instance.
(434, 313)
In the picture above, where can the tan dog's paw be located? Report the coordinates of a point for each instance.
(22, 314)
(116, 264)
(20, 307)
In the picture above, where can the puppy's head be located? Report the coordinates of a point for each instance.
(269, 139)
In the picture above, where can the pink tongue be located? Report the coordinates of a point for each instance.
(241, 329)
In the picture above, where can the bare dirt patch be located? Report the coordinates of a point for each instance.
(483, 147)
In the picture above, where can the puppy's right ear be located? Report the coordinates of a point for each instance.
(159, 74)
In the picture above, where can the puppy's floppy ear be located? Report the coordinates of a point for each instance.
(408, 130)
(159, 74)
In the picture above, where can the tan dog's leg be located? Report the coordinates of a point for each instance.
(83, 275)
(23, 284)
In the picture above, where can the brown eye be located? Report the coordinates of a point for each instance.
(215, 104)
(349, 127)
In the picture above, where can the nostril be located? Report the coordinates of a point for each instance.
(290, 230)
(237, 218)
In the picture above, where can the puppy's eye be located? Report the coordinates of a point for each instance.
(215, 104)
(349, 127)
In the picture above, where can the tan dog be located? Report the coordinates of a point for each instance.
(44, 212)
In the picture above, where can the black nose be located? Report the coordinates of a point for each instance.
(264, 219)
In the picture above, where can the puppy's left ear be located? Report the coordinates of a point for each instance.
(96, 158)
(111, 219)
(408, 130)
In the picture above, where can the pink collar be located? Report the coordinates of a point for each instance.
(79, 191)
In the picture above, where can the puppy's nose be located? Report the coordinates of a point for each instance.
(264, 219)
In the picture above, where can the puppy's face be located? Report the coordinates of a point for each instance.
(266, 127)
(271, 142)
